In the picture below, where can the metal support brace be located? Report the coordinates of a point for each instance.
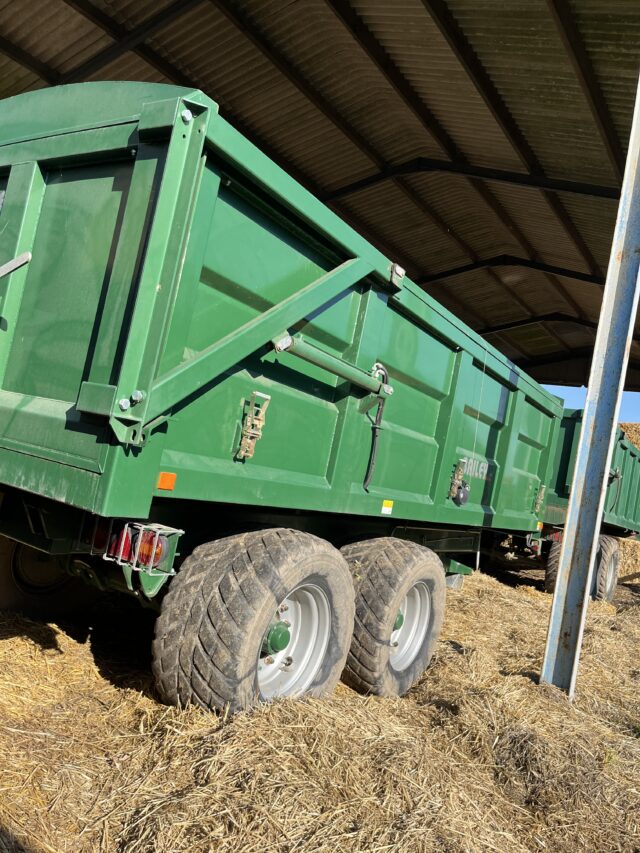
(15, 264)
(188, 378)
(296, 345)
(597, 438)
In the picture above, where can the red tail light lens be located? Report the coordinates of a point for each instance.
(151, 548)
(121, 546)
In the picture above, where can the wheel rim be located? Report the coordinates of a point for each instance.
(410, 630)
(611, 577)
(289, 668)
(36, 573)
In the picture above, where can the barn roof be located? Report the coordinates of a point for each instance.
(478, 143)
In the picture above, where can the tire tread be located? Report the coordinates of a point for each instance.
(203, 620)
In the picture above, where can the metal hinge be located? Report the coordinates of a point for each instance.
(254, 421)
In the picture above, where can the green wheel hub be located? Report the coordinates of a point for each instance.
(277, 639)
(399, 622)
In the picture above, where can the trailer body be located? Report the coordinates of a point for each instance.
(622, 502)
(178, 282)
(217, 396)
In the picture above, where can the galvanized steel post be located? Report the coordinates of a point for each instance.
(606, 382)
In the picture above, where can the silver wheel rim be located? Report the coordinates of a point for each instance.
(407, 640)
(292, 670)
(611, 577)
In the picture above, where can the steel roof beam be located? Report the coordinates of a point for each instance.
(118, 33)
(512, 261)
(420, 165)
(553, 317)
(387, 67)
(486, 88)
(26, 60)
(127, 40)
(561, 358)
(583, 67)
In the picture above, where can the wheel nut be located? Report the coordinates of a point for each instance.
(283, 608)
(268, 659)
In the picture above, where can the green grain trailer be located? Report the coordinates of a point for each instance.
(217, 396)
(621, 509)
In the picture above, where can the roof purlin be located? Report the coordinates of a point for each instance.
(586, 75)
(378, 55)
(486, 88)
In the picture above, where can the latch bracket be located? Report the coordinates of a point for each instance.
(537, 506)
(458, 477)
(254, 422)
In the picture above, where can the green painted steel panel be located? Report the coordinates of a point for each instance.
(622, 501)
(62, 109)
(66, 281)
(167, 255)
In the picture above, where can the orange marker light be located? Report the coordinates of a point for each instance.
(167, 480)
(147, 555)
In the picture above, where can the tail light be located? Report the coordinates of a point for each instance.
(121, 546)
(143, 547)
(150, 548)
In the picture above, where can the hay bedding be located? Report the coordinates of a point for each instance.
(477, 757)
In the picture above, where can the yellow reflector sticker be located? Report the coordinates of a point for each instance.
(387, 507)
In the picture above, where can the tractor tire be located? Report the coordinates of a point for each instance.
(605, 573)
(36, 584)
(400, 603)
(551, 567)
(254, 617)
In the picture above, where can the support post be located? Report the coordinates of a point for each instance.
(595, 450)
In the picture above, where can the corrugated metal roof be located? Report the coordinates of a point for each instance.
(343, 90)
(413, 42)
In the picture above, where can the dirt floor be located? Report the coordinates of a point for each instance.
(477, 757)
